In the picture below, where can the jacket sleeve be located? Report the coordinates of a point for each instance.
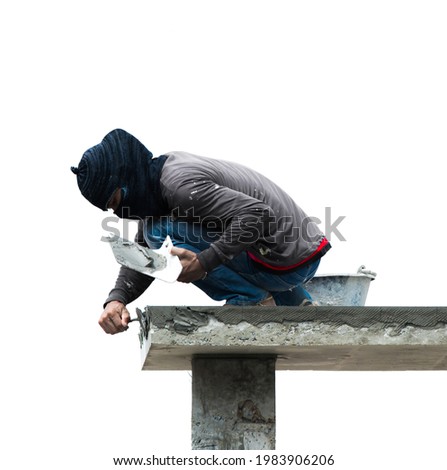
(130, 284)
(242, 219)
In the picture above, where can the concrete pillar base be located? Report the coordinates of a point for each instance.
(233, 403)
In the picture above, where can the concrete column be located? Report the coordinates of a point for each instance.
(233, 402)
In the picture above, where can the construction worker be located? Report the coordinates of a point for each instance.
(239, 236)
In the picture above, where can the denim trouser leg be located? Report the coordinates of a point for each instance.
(286, 289)
(239, 281)
(222, 283)
(296, 295)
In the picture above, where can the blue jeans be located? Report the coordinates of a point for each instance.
(238, 282)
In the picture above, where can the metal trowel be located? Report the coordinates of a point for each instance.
(157, 263)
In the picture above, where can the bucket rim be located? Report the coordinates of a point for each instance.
(370, 276)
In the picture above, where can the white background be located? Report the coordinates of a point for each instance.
(343, 103)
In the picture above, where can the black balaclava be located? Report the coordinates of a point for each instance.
(122, 161)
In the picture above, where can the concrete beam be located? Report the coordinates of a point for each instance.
(307, 338)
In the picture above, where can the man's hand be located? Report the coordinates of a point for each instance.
(115, 318)
(192, 269)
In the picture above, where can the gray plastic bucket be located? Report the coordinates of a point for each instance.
(341, 289)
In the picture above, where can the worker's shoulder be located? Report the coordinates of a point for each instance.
(180, 171)
(181, 156)
(183, 165)
(191, 162)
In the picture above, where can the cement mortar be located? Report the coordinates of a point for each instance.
(217, 333)
(322, 338)
(188, 319)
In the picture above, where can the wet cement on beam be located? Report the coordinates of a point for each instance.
(308, 338)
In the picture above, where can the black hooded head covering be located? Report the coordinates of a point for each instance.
(122, 161)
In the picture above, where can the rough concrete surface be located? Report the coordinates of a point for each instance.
(307, 338)
(233, 403)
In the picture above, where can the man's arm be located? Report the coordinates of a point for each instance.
(243, 219)
(129, 286)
